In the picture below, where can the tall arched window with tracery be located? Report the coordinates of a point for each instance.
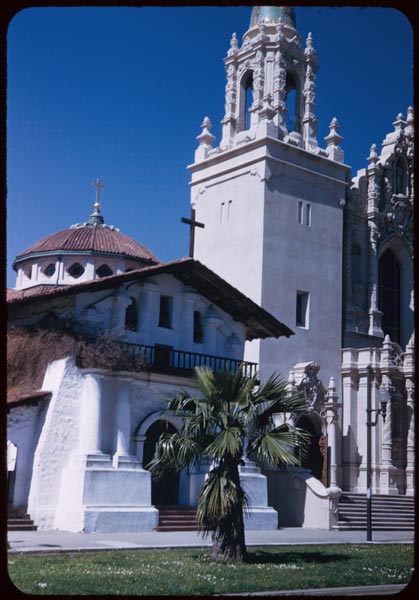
(389, 296)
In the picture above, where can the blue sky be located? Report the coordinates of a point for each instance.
(120, 93)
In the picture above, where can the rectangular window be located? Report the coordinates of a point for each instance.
(308, 214)
(197, 327)
(165, 317)
(304, 213)
(300, 212)
(302, 306)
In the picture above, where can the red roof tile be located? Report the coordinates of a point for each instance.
(102, 239)
(259, 323)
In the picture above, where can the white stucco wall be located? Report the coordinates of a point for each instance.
(57, 441)
(265, 252)
(24, 425)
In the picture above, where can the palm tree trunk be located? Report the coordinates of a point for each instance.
(228, 540)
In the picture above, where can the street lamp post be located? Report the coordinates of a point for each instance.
(370, 425)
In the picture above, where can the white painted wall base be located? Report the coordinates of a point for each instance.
(261, 519)
(95, 496)
(255, 484)
(302, 500)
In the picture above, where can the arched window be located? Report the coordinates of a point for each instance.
(104, 271)
(49, 270)
(293, 119)
(248, 88)
(76, 270)
(389, 300)
(131, 315)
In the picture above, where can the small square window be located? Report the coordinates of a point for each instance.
(165, 317)
(302, 306)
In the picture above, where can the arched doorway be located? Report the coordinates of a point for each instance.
(164, 491)
(316, 456)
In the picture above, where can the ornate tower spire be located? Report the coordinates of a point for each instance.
(270, 86)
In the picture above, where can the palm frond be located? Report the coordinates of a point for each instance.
(173, 452)
(220, 497)
(227, 442)
(277, 448)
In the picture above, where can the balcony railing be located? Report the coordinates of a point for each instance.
(166, 359)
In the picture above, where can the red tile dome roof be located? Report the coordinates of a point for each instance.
(99, 238)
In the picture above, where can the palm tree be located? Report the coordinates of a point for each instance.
(231, 418)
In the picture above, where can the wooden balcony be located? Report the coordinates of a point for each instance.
(168, 360)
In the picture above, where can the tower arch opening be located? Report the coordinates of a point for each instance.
(246, 101)
(292, 101)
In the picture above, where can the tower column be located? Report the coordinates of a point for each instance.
(309, 93)
(374, 314)
(330, 409)
(90, 437)
(122, 456)
(408, 367)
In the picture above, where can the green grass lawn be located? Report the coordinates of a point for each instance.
(187, 572)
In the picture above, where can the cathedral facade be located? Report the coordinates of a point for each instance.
(287, 223)
(301, 269)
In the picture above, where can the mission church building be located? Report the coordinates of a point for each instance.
(300, 269)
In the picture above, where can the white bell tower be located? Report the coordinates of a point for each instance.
(271, 199)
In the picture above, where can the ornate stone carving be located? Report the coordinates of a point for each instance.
(313, 389)
(400, 218)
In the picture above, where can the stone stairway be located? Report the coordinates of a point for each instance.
(19, 520)
(177, 518)
(389, 513)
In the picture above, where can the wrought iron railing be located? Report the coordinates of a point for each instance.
(167, 359)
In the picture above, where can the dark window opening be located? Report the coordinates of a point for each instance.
(165, 317)
(49, 270)
(76, 270)
(293, 120)
(389, 297)
(131, 316)
(104, 271)
(248, 89)
(301, 318)
(197, 327)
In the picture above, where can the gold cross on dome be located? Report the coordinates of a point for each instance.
(98, 185)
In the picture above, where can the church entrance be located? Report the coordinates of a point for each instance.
(316, 459)
(164, 491)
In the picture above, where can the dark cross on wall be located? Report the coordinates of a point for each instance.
(192, 222)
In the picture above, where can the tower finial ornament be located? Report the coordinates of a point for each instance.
(98, 185)
(96, 218)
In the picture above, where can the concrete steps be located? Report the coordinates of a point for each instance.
(19, 520)
(177, 518)
(389, 513)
